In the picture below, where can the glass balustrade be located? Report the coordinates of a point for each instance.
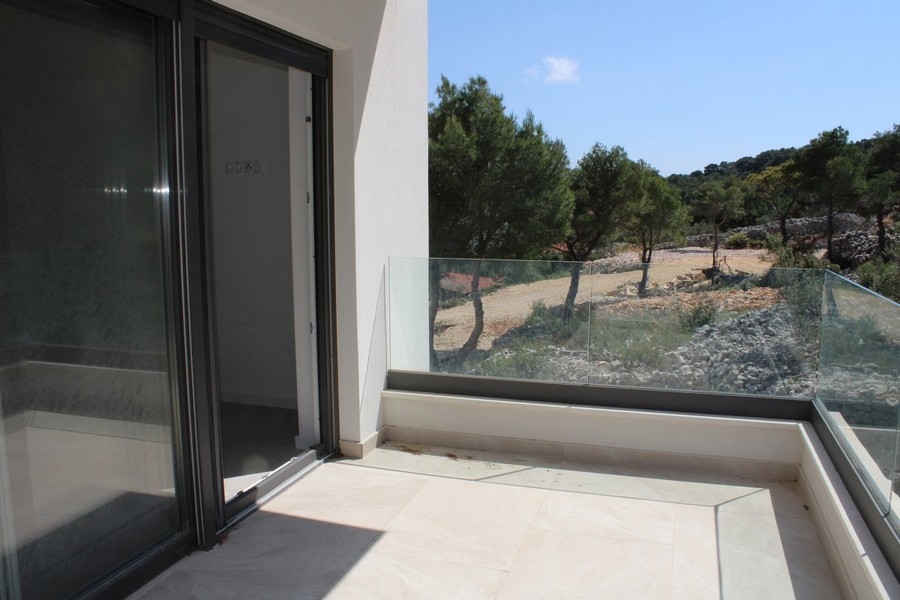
(859, 379)
(568, 322)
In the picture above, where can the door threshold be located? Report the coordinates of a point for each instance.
(250, 497)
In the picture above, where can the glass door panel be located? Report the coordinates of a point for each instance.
(89, 469)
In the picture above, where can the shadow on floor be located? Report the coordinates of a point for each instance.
(270, 556)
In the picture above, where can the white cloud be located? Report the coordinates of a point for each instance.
(560, 70)
(553, 69)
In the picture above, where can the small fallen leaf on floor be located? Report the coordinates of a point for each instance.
(451, 456)
(415, 451)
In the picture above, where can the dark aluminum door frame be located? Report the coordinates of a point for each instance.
(202, 22)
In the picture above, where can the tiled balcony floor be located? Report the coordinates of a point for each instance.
(415, 522)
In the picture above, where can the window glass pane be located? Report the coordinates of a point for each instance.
(88, 468)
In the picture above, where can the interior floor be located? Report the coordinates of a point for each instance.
(255, 441)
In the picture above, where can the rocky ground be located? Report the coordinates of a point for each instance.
(757, 353)
(752, 346)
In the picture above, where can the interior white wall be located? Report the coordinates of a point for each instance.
(251, 235)
(379, 79)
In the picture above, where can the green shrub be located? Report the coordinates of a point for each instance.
(547, 325)
(703, 314)
(699, 228)
(802, 290)
(882, 277)
(522, 360)
(797, 255)
(737, 241)
(637, 339)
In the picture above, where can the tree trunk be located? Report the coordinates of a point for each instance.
(645, 275)
(472, 342)
(646, 255)
(715, 248)
(569, 310)
(434, 292)
(784, 233)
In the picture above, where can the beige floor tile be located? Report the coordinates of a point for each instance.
(555, 564)
(477, 465)
(200, 585)
(647, 486)
(347, 495)
(537, 477)
(488, 525)
(772, 557)
(607, 516)
(695, 571)
(772, 498)
(399, 577)
(268, 556)
(463, 522)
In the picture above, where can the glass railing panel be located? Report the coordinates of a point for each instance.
(729, 333)
(526, 329)
(859, 379)
(409, 293)
(612, 324)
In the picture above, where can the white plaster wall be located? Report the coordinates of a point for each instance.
(380, 169)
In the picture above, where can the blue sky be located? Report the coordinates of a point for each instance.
(678, 84)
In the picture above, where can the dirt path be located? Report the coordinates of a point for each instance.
(509, 306)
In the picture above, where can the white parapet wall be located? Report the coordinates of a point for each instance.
(785, 450)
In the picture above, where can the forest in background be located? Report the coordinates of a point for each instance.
(500, 187)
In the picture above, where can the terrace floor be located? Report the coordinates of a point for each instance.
(410, 521)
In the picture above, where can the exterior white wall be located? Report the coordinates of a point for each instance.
(380, 85)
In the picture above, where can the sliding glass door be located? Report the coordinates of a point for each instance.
(164, 189)
(89, 452)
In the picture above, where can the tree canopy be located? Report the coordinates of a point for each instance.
(653, 212)
(598, 184)
(498, 188)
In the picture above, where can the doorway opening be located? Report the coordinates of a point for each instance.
(260, 255)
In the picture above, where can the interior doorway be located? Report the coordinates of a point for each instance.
(260, 248)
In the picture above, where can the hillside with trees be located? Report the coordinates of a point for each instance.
(502, 188)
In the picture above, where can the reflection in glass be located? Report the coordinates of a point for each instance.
(85, 383)
(859, 378)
